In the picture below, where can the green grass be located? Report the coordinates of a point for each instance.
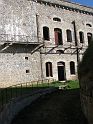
(73, 84)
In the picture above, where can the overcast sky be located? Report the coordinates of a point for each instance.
(84, 2)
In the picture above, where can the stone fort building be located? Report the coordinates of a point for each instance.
(42, 39)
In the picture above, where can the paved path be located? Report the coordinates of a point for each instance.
(62, 107)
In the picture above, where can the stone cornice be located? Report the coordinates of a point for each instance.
(73, 8)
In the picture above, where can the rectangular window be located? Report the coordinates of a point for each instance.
(26, 58)
(27, 71)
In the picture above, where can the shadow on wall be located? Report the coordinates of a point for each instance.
(17, 48)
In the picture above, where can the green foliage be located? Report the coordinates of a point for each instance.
(73, 84)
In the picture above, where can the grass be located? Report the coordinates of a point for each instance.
(73, 84)
(70, 84)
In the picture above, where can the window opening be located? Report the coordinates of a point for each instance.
(81, 35)
(58, 36)
(69, 36)
(27, 71)
(89, 37)
(60, 51)
(26, 58)
(46, 33)
(57, 19)
(49, 69)
(72, 67)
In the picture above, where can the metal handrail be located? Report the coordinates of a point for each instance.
(9, 93)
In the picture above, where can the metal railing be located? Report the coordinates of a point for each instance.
(17, 38)
(9, 93)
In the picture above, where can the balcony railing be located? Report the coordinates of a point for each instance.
(8, 38)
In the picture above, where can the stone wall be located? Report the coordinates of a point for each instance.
(21, 24)
(46, 12)
(86, 83)
(18, 29)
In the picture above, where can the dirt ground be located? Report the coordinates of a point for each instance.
(61, 107)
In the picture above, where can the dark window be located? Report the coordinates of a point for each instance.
(57, 19)
(27, 71)
(58, 36)
(60, 51)
(49, 69)
(46, 33)
(81, 35)
(72, 67)
(88, 25)
(89, 36)
(69, 36)
(26, 58)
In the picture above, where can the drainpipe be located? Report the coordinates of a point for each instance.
(76, 42)
(37, 27)
(37, 24)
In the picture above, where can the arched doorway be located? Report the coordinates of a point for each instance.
(61, 71)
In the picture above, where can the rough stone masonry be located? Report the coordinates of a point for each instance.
(42, 39)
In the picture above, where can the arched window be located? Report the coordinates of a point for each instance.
(88, 25)
(49, 69)
(72, 67)
(81, 36)
(69, 36)
(57, 19)
(89, 37)
(46, 33)
(60, 51)
(58, 36)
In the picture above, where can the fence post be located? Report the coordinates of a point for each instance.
(32, 85)
(42, 83)
(6, 94)
(48, 83)
(21, 89)
(37, 84)
(11, 91)
(26, 85)
(16, 90)
(2, 102)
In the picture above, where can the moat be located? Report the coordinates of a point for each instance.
(62, 107)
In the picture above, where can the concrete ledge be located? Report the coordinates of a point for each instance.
(13, 107)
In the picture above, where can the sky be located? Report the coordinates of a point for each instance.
(84, 2)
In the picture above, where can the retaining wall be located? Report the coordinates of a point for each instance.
(13, 107)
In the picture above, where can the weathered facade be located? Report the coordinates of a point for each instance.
(42, 39)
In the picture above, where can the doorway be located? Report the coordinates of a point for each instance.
(61, 71)
(58, 36)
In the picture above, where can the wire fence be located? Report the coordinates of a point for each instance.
(18, 90)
